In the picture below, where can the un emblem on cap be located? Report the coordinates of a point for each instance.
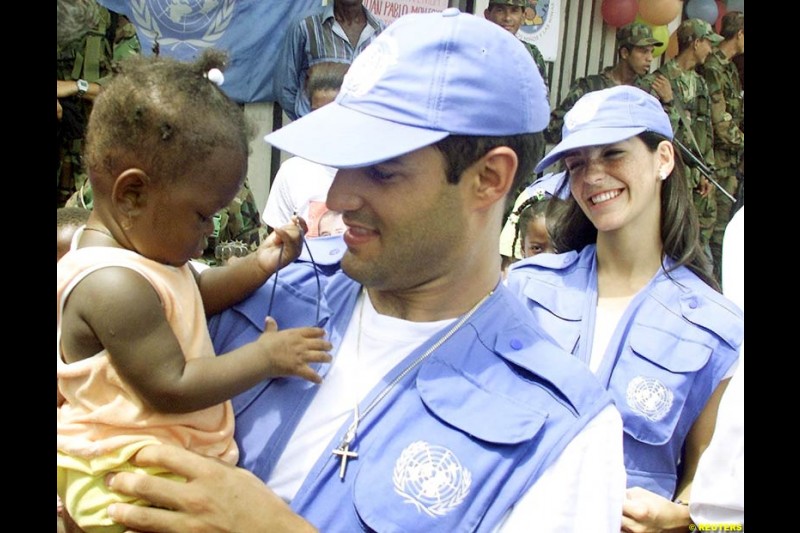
(370, 67)
(584, 110)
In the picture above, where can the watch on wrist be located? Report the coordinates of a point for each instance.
(83, 86)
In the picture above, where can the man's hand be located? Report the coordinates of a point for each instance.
(663, 88)
(216, 497)
(704, 187)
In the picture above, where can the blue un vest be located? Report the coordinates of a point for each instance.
(456, 442)
(669, 352)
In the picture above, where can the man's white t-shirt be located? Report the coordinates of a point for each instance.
(582, 491)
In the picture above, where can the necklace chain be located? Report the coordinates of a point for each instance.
(99, 230)
(343, 450)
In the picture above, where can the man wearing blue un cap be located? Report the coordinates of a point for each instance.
(445, 408)
(632, 295)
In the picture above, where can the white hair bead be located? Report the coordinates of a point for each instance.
(215, 75)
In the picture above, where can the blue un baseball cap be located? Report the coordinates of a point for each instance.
(425, 77)
(608, 116)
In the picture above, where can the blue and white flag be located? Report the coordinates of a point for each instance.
(250, 31)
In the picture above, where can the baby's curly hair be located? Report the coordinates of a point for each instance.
(163, 116)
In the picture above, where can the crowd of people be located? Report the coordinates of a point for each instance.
(371, 362)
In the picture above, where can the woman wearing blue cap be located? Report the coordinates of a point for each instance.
(633, 297)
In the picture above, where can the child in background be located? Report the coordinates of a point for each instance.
(536, 218)
(68, 220)
(510, 244)
(166, 149)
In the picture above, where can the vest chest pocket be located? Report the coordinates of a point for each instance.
(452, 460)
(558, 311)
(652, 380)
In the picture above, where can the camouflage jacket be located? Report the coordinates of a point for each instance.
(579, 87)
(90, 57)
(240, 222)
(690, 93)
(727, 109)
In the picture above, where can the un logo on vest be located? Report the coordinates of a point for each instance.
(431, 477)
(649, 397)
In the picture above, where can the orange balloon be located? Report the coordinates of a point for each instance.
(672, 46)
(660, 12)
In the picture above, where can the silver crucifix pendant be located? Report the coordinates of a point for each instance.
(345, 453)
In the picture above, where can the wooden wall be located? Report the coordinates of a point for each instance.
(586, 46)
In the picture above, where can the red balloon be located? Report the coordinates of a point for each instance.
(722, 8)
(659, 12)
(619, 12)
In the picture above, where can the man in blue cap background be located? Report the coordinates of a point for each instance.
(444, 409)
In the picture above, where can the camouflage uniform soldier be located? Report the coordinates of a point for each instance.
(635, 43)
(727, 117)
(82, 67)
(126, 43)
(690, 112)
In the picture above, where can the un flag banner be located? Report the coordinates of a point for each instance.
(250, 31)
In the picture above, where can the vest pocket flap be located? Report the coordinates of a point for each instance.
(484, 414)
(668, 351)
(566, 304)
(723, 322)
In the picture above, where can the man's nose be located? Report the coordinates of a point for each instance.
(342, 194)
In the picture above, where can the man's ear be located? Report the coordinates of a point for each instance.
(495, 175)
(130, 193)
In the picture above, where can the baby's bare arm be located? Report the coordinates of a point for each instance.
(224, 286)
(291, 350)
(124, 313)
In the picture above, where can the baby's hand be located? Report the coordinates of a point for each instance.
(290, 351)
(271, 257)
